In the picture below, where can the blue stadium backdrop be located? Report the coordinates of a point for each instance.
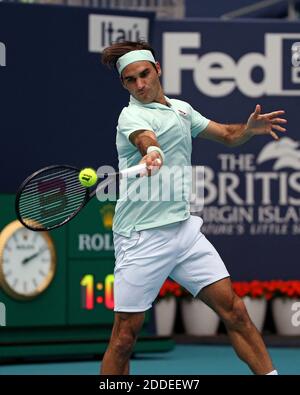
(60, 105)
(253, 191)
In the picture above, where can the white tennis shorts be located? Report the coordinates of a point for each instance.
(148, 257)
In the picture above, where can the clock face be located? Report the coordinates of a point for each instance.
(27, 261)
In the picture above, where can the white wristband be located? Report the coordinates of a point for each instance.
(157, 149)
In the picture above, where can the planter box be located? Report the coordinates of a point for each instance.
(285, 315)
(257, 308)
(165, 313)
(198, 318)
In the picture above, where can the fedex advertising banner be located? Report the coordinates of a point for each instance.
(252, 192)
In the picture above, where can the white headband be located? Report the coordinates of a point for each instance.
(134, 56)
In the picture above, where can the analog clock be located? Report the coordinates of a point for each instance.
(27, 261)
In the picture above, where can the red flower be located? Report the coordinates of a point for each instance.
(168, 289)
(253, 289)
(267, 289)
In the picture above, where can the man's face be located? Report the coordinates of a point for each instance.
(142, 81)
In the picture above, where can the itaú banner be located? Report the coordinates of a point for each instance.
(106, 29)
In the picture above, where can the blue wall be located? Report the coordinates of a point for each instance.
(217, 8)
(60, 105)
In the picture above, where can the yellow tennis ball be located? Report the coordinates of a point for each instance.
(88, 177)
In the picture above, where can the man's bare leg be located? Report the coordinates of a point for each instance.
(124, 335)
(244, 336)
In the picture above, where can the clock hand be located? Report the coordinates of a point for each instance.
(26, 260)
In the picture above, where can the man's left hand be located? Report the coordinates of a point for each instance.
(259, 124)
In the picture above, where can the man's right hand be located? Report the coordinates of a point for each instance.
(153, 161)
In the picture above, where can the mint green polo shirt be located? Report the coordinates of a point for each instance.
(150, 202)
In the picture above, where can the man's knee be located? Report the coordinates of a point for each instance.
(126, 330)
(236, 316)
(124, 343)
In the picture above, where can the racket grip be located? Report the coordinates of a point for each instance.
(140, 169)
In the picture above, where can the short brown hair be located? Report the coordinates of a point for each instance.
(112, 53)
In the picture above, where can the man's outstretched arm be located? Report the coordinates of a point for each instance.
(237, 134)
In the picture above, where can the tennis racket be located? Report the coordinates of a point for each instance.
(52, 196)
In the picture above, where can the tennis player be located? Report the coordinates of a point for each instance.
(157, 239)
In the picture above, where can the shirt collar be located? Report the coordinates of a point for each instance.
(151, 105)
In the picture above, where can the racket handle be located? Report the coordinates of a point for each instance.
(140, 169)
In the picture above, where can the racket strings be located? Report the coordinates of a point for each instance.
(43, 180)
(35, 212)
(51, 197)
(31, 202)
(54, 218)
